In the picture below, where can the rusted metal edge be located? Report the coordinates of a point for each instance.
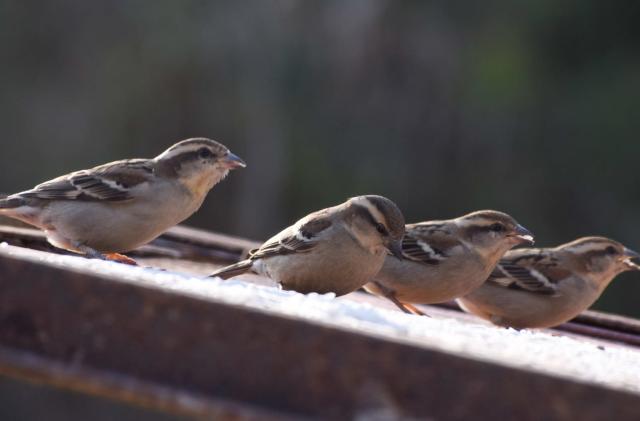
(223, 352)
(32, 368)
(594, 324)
(190, 235)
(179, 242)
(610, 321)
(183, 242)
(599, 333)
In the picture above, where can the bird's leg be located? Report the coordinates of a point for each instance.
(113, 257)
(89, 252)
(121, 258)
(391, 296)
(498, 321)
(398, 304)
(413, 309)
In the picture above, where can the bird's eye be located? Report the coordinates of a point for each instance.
(381, 229)
(205, 153)
(611, 250)
(497, 227)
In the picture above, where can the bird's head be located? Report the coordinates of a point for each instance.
(492, 233)
(599, 258)
(199, 163)
(376, 221)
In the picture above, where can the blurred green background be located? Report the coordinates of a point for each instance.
(530, 107)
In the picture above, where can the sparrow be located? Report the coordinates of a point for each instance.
(544, 287)
(337, 249)
(121, 205)
(443, 260)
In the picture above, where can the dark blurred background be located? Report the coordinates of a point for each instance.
(444, 106)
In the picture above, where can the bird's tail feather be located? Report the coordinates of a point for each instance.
(233, 270)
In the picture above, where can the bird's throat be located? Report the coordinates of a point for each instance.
(200, 184)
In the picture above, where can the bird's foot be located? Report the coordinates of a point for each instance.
(390, 295)
(414, 310)
(120, 258)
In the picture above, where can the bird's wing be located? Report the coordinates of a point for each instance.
(428, 242)
(533, 270)
(108, 182)
(299, 238)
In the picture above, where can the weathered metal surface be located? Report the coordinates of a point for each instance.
(179, 242)
(226, 353)
(183, 247)
(611, 321)
(591, 324)
(28, 400)
(177, 404)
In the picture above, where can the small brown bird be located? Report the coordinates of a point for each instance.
(446, 259)
(121, 205)
(337, 249)
(537, 288)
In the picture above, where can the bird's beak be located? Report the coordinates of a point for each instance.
(629, 256)
(522, 235)
(232, 161)
(395, 248)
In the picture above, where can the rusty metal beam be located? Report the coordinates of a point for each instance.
(184, 243)
(179, 242)
(219, 352)
(32, 368)
(592, 324)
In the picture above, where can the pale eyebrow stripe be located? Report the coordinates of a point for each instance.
(582, 248)
(373, 210)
